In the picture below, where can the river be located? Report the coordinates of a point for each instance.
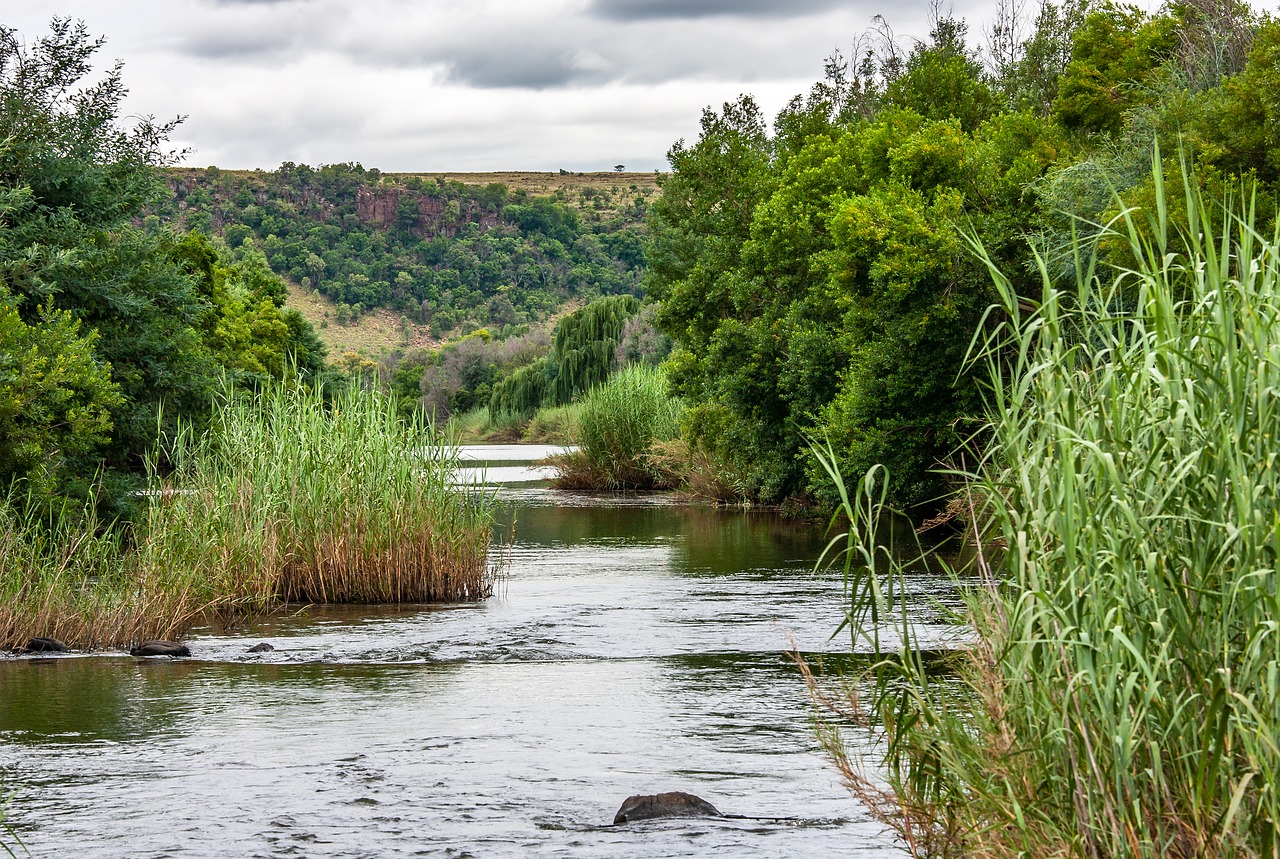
(635, 645)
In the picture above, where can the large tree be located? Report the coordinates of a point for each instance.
(81, 275)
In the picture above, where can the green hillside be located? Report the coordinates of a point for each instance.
(380, 261)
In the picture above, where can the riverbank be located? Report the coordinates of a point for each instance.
(1122, 696)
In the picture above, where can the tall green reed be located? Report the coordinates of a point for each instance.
(1124, 687)
(292, 498)
(619, 421)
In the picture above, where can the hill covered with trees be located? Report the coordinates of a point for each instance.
(435, 250)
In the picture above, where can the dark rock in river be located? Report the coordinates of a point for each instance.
(44, 645)
(160, 648)
(674, 804)
(261, 647)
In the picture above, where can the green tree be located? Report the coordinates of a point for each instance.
(840, 299)
(78, 179)
(944, 80)
(584, 344)
(56, 397)
(1115, 52)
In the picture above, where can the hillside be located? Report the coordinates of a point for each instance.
(378, 261)
(374, 333)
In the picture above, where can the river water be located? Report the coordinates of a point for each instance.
(635, 645)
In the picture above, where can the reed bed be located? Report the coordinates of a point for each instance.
(619, 421)
(67, 578)
(292, 499)
(1124, 691)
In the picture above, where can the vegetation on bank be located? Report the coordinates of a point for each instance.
(813, 273)
(292, 498)
(1122, 695)
(110, 334)
(618, 425)
(67, 576)
(129, 508)
(285, 497)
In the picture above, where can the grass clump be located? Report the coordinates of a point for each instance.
(553, 425)
(1124, 689)
(290, 498)
(286, 498)
(64, 575)
(618, 424)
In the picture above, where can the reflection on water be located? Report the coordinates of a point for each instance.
(636, 646)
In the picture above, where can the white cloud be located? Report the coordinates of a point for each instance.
(442, 85)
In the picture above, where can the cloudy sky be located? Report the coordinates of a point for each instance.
(462, 85)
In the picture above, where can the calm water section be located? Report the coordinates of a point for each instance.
(634, 646)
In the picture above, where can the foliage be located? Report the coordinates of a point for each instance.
(74, 181)
(523, 392)
(584, 352)
(943, 79)
(515, 377)
(1239, 131)
(838, 296)
(246, 326)
(142, 322)
(55, 397)
(641, 342)
(619, 422)
(1124, 698)
(462, 375)
(553, 425)
(584, 345)
(1115, 52)
(812, 275)
(439, 253)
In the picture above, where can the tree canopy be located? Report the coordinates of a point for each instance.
(816, 273)
(112, 332)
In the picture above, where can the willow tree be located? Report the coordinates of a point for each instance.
(584, 343)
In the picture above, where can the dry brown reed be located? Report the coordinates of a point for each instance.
(693, 470)
(67, 579)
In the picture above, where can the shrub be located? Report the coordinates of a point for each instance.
(621, 420)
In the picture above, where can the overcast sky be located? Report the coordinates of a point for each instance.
(462, 85)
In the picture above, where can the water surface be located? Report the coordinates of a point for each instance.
(635, 646)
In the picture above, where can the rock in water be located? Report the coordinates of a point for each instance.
(261, 647)
(160, 648)
(674, 804)
(45, 645)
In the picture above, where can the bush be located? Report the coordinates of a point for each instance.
(621, 420)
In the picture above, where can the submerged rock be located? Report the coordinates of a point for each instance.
(44, 645)
(261, 647)
(160, 648)
(673, 804)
